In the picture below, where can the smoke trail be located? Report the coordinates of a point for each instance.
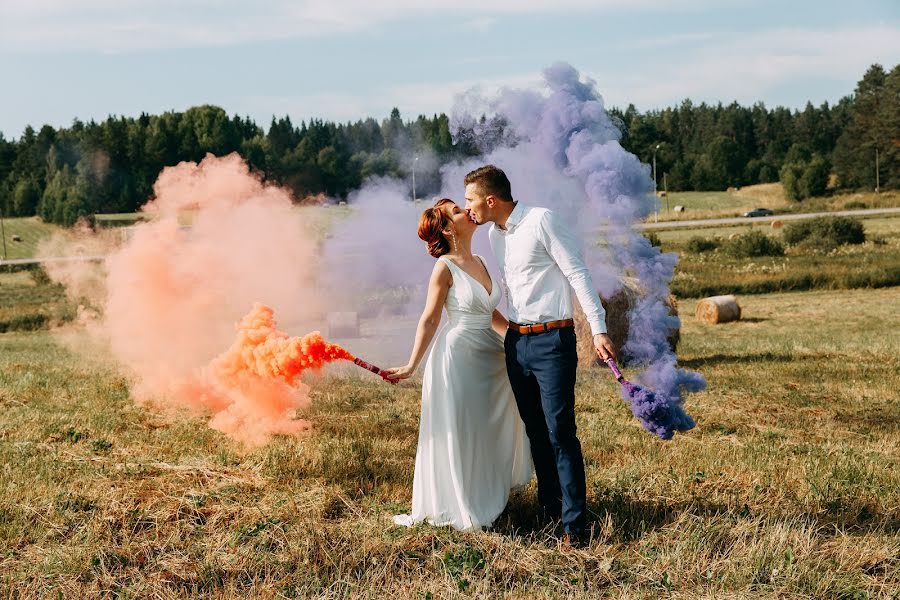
(561, 150)
(252, 389)
(168, 296)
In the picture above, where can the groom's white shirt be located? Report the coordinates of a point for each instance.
(539, 260)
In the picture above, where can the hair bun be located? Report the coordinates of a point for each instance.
(431, 226)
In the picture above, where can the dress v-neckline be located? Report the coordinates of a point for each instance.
(483, 266)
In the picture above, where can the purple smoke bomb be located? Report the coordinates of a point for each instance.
(659, 415)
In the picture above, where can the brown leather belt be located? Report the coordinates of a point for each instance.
(541, 327)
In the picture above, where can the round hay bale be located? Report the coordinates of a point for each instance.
(777, 224)
(678, 208)
(718, 309)
(617, 308)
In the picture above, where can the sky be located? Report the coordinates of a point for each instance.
(350, 59)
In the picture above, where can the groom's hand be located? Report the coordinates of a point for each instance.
(604, 346)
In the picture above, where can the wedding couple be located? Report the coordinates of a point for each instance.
(485, 376)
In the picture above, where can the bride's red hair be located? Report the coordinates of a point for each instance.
(431, 226)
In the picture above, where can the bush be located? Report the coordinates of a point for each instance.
(825, 233)
(805, 177)
(855, 204)
(753, 243)
(653, 239)
(790, 180)
(699, 244)
(814, 179)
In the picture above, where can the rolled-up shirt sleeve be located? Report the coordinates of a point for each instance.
(563, 247)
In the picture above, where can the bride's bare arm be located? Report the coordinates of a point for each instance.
(499, 323)
(438, 286)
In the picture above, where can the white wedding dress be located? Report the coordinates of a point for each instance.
(472, 444)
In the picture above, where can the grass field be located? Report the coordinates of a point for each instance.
(712, 205)
(31, 230)
(788, 488)
(873, 264)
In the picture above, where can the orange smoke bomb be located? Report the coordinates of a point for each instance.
(370, 367)
(253, 389)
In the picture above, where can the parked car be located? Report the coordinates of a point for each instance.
(759, 212)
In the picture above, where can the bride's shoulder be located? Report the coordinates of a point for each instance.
(441, 272)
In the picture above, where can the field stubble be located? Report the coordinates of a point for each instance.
(789, 487)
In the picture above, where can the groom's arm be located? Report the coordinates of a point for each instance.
(563, 247)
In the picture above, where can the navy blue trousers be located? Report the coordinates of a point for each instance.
(541, 368)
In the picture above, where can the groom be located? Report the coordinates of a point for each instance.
(540, 263)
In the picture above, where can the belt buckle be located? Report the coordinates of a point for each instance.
(530, 328)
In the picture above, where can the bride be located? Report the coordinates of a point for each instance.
(472, 444)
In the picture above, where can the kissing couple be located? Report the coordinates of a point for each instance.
(498, 395)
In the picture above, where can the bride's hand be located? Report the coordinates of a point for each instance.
(398, 373)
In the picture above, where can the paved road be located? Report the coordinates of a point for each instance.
(786, 217)
(50, 259)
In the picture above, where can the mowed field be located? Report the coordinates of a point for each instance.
(788, 488)
(30, 230)
(714, 205)
(873, 264)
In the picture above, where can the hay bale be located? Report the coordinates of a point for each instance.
(343, 325)
(617, 308)
(678, 208)
(777, 224)
(718, 309)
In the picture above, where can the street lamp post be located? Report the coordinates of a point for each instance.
(655, 148)
(654, 166)
(415, 160)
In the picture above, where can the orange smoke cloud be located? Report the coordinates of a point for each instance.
(253, 389)
(171, 289)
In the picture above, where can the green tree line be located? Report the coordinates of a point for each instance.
(704, 147)
(109, 167)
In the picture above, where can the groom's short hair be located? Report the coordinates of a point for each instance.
(491, 181)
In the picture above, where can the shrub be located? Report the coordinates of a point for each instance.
(805, 177)
(699, 244)
(653, 239)
(825, 233)
(854, 204)
(790, 180)
(753, 243)
(814, 179)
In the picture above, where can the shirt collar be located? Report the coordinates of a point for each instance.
(515, 217)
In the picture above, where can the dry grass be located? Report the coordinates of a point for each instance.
(873, 264)
(714, 205)
(789, 487)
(31, 230)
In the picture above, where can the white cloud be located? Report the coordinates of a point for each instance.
(725, 67)
(126, 25)
(480, 24)
(412, 99)
(747, 66)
